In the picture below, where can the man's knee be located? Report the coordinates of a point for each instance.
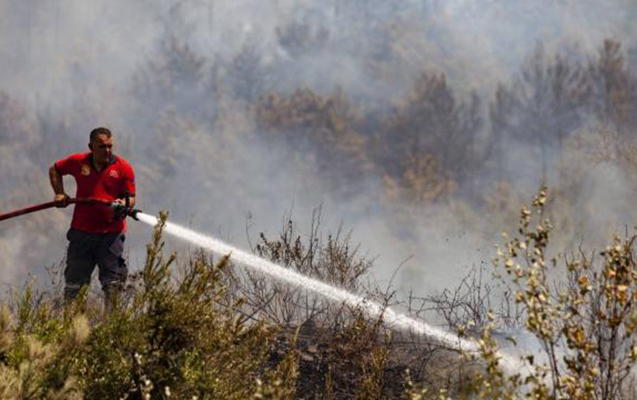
(80, 260)
(76, 276)
(113, 270)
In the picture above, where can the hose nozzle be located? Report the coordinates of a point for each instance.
(133, 213)
(121, 211)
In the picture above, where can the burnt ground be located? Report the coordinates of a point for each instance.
(340, 366)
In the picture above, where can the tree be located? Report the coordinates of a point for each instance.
(431, 128)
(303, 36)
(613, 88)
(246, 74)
(542, 106)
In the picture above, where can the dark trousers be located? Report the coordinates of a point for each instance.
(86, 250)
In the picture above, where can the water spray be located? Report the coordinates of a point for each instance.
(372, 309)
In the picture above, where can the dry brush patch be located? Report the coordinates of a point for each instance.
(585, 325)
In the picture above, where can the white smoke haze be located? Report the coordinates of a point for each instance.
(200, 154)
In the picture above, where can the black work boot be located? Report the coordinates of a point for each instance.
(112, 296)
(75, 298)
(70, 294)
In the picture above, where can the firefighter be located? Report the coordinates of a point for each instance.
(97, 232)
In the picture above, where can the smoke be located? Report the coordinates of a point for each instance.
(332, 293)
(177, 82)
(371, 309)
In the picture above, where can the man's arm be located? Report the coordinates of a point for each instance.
(61, 198)
(122, 201)
(129, 183)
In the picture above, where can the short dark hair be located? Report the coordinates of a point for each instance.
(99, 131)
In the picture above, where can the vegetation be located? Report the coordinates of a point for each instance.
(585, 324)
(208, 331)
(204, 329)
(167, 339)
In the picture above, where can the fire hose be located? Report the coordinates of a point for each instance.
(119, 210)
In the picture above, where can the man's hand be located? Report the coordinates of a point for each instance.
(119, 202)
(61, 200)
(119, 209)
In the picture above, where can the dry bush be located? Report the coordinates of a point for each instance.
(423, 181)
(584, 325)
(343, 354)
(465, 308)
(333, 260)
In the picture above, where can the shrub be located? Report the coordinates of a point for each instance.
(585, 324)
(166, 339)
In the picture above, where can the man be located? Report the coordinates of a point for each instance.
(97, 233)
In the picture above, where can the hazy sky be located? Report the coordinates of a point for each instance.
(57, 49)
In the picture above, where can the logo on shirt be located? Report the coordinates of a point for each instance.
(86, 170)
(113, 174)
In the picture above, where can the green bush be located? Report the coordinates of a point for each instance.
(164, 339)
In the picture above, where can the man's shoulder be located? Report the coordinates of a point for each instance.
(79, 156)
(123, 163)
(122, 160)
(75, 158)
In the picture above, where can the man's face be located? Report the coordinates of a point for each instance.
(102, 148)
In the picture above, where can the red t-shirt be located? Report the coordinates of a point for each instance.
(110, 183)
